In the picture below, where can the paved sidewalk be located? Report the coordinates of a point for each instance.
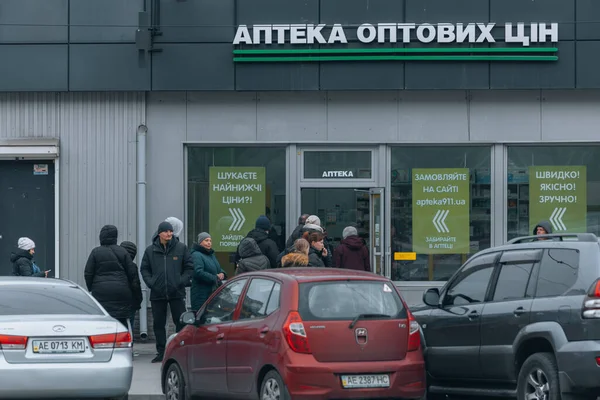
(146, 383)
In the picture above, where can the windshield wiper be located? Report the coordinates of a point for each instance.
(362, 316)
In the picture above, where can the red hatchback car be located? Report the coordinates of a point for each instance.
(302, 333)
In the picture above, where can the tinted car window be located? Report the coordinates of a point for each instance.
(257, 298)
(558, 272)
(221, 308)
(512, 281)
(344, 300)
(471, 283)
(44, 300)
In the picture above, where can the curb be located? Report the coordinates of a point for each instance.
(146, 397)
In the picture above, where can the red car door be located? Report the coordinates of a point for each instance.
(250, 339)
(207, 357)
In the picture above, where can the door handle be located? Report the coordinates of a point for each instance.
(220, 336)
(473, 315)
(264, 330)
(519, 311)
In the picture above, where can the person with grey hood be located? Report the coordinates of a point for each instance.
(542, 228)
(252, 259)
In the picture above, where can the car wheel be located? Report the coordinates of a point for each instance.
(174, 383)
(538, 378)
(273, 388)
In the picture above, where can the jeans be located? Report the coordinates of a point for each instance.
(159, 314)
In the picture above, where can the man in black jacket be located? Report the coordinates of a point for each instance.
(167, 269)
(267, 246)
(297, 233)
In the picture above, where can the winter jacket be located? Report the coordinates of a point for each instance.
(167, 270)
(312, 228)
(204, 281)
(352, 254)
(252, 259)
(294, 259)
(267, 246)
(22, 262)
(111, 277)
(296, 234)
(316, 259)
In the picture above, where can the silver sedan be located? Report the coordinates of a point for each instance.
(56, 341)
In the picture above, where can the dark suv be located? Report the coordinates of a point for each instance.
(520, 320)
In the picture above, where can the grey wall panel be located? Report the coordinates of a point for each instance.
(281, 117)
(193, 67)
(536, 75)
(448, 11)
(110, 67)
(97, 174)
(221, 116)
(277, 12)
(588, 19)
(197, 21)
(440, 117)
(587, 61)
(94, 21)
(34, 21)
(498, 116)
(33, 68)
(547, 11)
(356, 12)
(362, 116)
(571, 114)
(362, 75)
(165, 181)
(277, 76)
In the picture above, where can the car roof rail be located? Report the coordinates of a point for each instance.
(581, 237)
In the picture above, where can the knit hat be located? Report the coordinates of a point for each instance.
(202, 236)
(349, 231)
(313, 220)
(25, 243)
(131, 248)
(164, 227)
(177, 225)
(263, 223)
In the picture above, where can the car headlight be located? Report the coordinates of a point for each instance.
(170, 338)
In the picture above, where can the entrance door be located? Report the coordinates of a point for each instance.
(341, 207)
(27, 209)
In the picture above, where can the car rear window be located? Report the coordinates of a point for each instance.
(344, 300)
(46, 300)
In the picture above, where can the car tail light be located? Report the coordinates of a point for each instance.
(591, 304)
(111, 340)
(295, 334)
(414, 336)
(11, 342)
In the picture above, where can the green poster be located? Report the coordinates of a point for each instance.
(440, 203)
(558, 194)
(236, 200)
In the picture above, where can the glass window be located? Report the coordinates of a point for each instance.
(337, 165)
(222, 306)
(256, 299)
(558, 272)
(274, 299)
(345, 300)
(441, 207)
(226, 201)
(471, 284)
(513, 280)
(556, 184)
(47, 299)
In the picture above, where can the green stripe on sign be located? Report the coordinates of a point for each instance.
(395, 58)
(402, 50)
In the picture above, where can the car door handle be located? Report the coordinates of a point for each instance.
(220, 336)
(473, 315)
(519, 311)
(264, 330)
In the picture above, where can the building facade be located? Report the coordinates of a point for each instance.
(438, 128)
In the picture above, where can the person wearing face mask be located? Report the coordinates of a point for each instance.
(317, 253)
(208, 273)
(22, 260)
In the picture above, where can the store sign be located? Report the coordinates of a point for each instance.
(338, 174)
(236, 200)
(440, 204)
(322, 35)
(558, 194)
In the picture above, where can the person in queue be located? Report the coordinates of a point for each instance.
(252, 259)
(542, 228)
(298, 257)
(352, 253)
(131, 248)
(208, 274)
(22, 260)
(317, 253)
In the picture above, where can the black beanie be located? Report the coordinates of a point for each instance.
(165, 226)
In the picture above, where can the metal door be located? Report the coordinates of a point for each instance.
(376, 237)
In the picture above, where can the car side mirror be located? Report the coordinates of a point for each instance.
(188, 318)
(432, 297)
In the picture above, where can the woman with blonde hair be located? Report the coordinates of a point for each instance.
(298, 257)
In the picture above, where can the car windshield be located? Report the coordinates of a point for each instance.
(46, 300)
(344, 300)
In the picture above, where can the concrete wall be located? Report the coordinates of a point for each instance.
(97, 133)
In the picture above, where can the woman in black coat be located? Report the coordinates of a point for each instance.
(112, 278)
